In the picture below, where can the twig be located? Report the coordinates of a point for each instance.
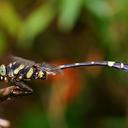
(4, 123)
(10, 92)
(7, 94)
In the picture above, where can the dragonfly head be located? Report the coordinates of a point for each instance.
(2, 70)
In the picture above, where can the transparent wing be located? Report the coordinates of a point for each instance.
(50, 69)
(22, 60)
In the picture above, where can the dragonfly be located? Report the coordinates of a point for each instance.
(20, 70)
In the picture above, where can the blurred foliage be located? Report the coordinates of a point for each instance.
(66, 31)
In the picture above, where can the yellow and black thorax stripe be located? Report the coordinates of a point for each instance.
(21, 72)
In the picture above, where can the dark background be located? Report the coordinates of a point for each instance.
(67, 31)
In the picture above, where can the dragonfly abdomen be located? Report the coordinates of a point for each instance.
(118, 65)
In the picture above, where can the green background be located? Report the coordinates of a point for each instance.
(67, 31)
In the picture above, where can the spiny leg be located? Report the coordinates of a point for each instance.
(11, 92)
(25, 90)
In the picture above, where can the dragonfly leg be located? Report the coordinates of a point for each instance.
(25, 90)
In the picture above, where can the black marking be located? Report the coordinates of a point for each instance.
(15, 66)
(9, 71)
(22, 73)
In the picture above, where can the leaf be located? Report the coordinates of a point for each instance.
(114, 122)
(9, 18)
(100, 8)
(3, 44)
(69, 12)
(34, 117)
(36, 23)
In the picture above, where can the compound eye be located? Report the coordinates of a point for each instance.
(2, 70)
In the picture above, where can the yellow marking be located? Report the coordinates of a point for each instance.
(121, 65)
(110, 63)
(29, 73)
(40, 74)
(18, 69)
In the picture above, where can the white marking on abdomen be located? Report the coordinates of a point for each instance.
(77, 64)
(121, 65)
(10, 65)
(61, 66)
(92, 62)
(110, 63)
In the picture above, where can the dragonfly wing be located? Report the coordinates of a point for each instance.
(50, 69)
(53, 70)
(22, 60)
